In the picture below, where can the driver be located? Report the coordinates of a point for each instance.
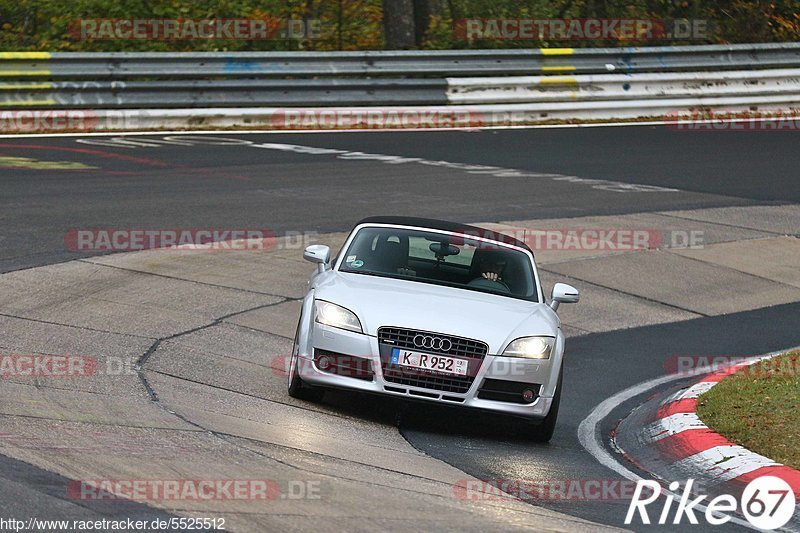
(491, 275)
(492, 270)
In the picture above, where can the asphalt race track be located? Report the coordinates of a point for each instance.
(325, 182)
(238, 186)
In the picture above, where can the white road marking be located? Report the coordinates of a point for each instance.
(172, 139)
(500, 172)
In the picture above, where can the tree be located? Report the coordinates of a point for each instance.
(398, 24)
(423, 11)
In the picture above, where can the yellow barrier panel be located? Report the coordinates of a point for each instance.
(557, 51)
(558, 68)
(19, 73)
(559, 80)
(27, 103)
(25, 55)
(25, 86)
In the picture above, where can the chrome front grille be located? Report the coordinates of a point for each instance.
(390, 337)
(459, 346)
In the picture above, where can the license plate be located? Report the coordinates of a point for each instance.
(426, 361)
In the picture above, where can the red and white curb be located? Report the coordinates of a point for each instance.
(682, 437)
(663, 440)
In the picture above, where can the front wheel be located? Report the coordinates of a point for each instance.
(543, 431)
(297, 387)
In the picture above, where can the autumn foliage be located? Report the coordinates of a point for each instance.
(49, 25)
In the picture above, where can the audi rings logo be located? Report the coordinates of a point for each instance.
(433, 343)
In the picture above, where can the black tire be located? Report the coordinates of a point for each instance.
(543, 431)
(297, 387)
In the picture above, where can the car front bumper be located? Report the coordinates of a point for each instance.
(367, 348)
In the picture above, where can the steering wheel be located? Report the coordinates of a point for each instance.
(496, 285)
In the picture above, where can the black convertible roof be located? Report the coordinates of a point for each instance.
(444, 225)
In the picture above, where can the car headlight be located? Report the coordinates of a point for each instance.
(336, 316)
(531, 347)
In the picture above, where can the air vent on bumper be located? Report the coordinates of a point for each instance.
(348, 366)
(499, 390)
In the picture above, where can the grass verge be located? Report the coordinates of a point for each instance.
(759, 408)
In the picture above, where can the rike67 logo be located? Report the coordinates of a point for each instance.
(767, 502)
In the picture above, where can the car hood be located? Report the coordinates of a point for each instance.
(495, 320)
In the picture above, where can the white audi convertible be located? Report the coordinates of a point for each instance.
(434, 311)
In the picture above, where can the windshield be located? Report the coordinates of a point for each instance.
(443, 259)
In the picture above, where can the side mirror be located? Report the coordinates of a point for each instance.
(318, 253)
(563, 293)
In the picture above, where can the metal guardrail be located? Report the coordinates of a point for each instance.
(211, 93)
(615, 87)
(437, 63)
(560, 83)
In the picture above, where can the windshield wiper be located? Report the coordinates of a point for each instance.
(368, 273)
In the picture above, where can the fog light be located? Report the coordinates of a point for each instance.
(324, 363)
(528, 395)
